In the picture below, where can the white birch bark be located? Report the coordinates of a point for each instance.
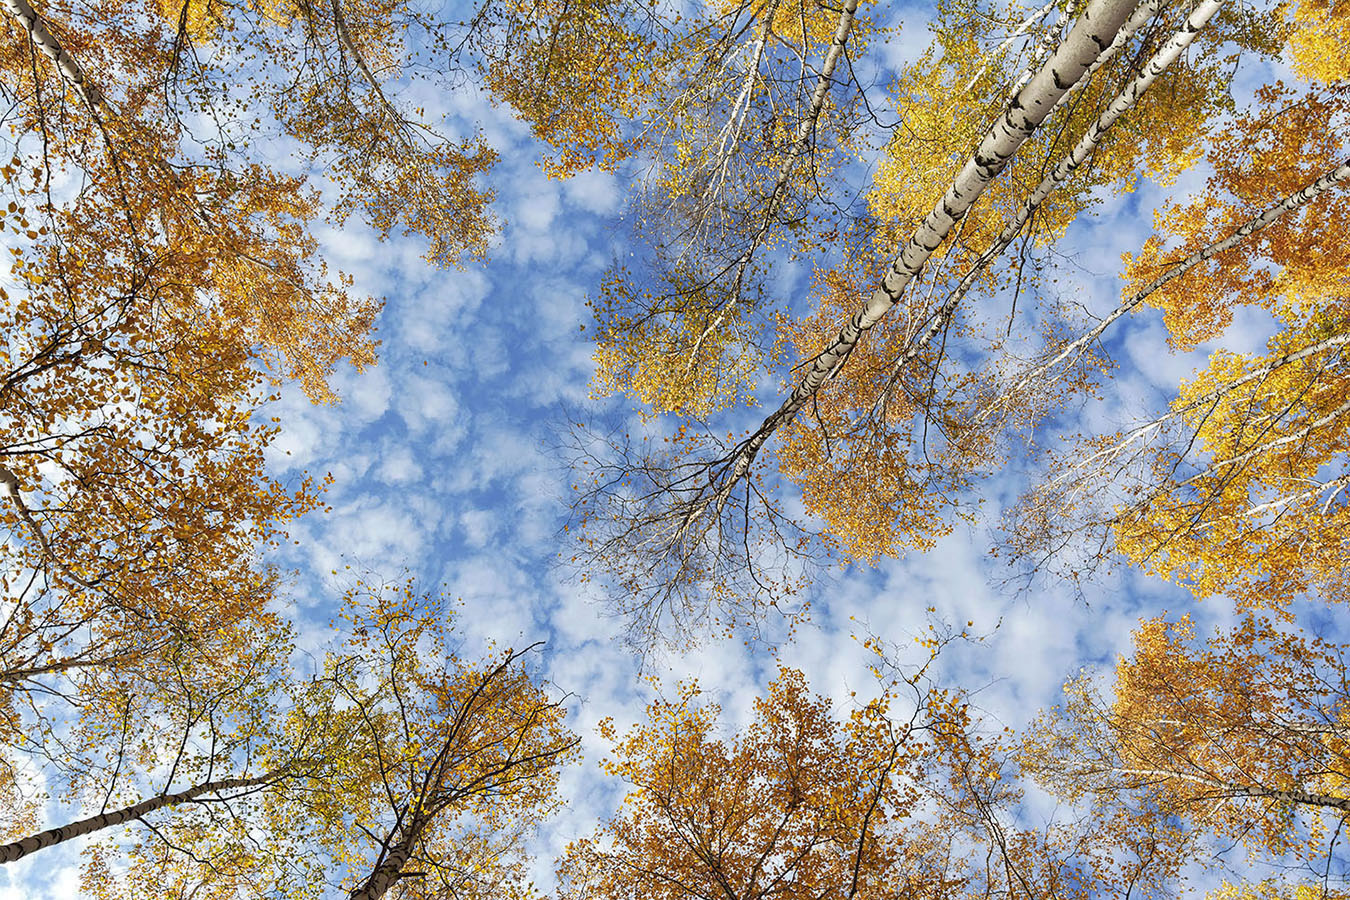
(348, 44)
(730, 136)
(390, 869)
(1065, 169)
(1042, 50)
(1076, 348)
(1233, 789)
(1092, 35)
(50, 47)
(53, 836)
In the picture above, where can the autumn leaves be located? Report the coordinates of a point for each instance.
(936, 346)
(163, 274)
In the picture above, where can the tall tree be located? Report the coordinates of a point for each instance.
(800, 805)
(746, 125)
(448, 762)
(692, 526)
(131, 466)
(1259, 511)
(188, 745)
(906, 395)
(903, 797)
(1243, 736)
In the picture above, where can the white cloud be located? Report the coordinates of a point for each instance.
(479, 526)
(398, 467)
(594, 191)
(537, 205)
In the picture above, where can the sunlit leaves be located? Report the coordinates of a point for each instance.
(1242, 735)
(437, 764)
(1262, 514)
(800, 804)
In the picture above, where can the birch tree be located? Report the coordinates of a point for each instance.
(910, 387)
(1258, 515)
(1241, 734)
(401, 767)
(131, 469)
(743, 137)
(447, 762)
(683, 520)
(184, 746)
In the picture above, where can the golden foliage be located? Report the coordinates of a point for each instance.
(1295, 266)
(689, 362)
(576, 71)
(799, 805)
(1242, 735)
(1262, 514)
(1320, 42)
(438, 764)
(860, 467)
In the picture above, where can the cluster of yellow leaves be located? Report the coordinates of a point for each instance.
(1264, 521)
(1274, 890)
(1320, 43)
(738, 160)
(799, 805)
(1242, 735)
(458, 759)
(689, 361)
(576, 71)
(1262, 515)
(794, 21)
(861, 468)
(391, 163)
(1293, 268)
(129, 430)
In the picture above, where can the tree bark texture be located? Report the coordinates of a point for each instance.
(53, 836)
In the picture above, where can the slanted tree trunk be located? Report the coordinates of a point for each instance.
(50, 47)
(390, 869)
(53, 836)
(1090, 37)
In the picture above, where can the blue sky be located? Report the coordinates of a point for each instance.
(442, 468)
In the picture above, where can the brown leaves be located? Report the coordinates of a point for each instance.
(1243, 735)
(799, 805)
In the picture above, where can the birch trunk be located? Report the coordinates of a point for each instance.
(1066, 167)
(50, 47)
(1282, 795)
(1091, 36)
(390, 869)
(53, 836)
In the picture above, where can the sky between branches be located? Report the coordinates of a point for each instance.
(444, 466)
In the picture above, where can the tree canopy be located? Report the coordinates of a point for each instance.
(845, 301)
